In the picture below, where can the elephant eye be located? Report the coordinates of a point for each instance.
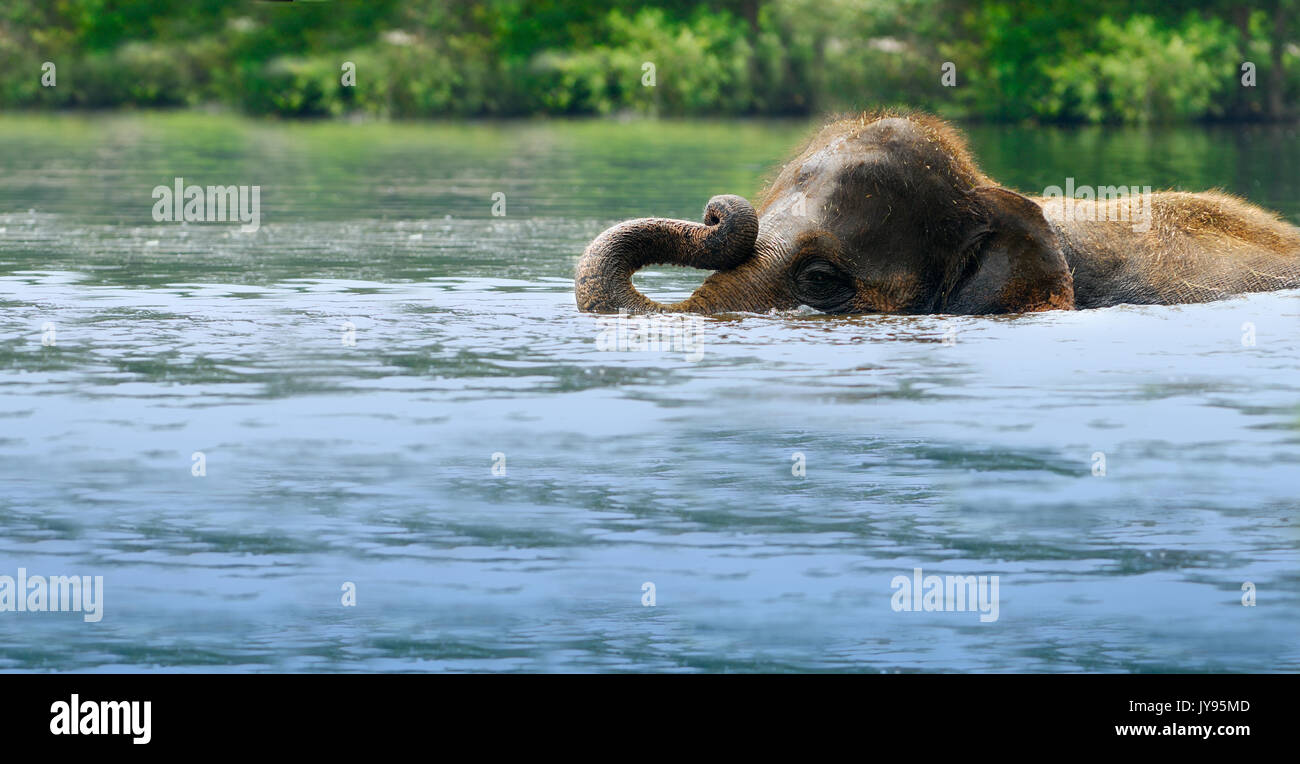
(823, 285)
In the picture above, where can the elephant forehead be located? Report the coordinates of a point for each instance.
(893, 157)
(838, 159)
(864, 173)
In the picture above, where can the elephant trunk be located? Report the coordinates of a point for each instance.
(603, 283)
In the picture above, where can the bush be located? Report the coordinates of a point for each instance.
(701, 66)
(1016, 59)
(1143, 72)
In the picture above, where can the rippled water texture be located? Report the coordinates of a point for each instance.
(372, 463)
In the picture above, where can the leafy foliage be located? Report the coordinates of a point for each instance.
(1051, 60)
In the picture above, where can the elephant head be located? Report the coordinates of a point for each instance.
(881, 214)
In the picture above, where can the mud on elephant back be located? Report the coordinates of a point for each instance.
(888, 213)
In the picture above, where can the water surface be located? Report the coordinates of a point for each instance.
(372, 463)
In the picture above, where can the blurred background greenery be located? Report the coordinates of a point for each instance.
(1043, 60)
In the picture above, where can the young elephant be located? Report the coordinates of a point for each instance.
(888, 213)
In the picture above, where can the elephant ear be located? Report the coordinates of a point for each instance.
(1012, 261)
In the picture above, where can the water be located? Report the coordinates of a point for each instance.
(372, 464)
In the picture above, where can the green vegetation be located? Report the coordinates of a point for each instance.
(1049, 60)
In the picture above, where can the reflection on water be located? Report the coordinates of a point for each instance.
(372, 463)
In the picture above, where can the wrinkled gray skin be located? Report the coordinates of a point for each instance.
(726, 242)
(889, 214)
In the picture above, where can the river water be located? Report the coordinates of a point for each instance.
(390, 395)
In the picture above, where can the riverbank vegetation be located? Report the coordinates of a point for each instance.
(1012, 60)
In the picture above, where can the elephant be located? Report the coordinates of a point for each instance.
(888, 213)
